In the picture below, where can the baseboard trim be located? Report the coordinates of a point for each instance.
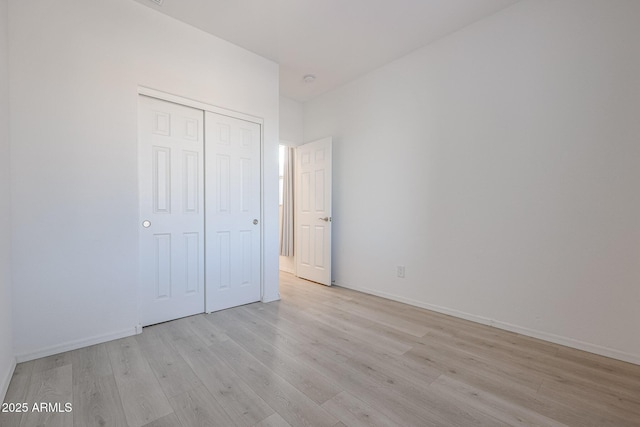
(4, 385)
(74, 345)
(287, 270)
(545, 336)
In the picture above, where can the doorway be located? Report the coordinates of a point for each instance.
(312, 210)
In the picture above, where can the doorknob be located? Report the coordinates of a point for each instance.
(146, 223)
(325, 219)
(255, 222)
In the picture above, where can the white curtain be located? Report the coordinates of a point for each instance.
(286, 228)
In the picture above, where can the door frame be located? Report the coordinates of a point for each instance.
(188, 102)
(288, 144)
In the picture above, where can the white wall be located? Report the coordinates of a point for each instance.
(74, 72)
(291, 121)
(291, 134)
(500, 166)
(7, 359)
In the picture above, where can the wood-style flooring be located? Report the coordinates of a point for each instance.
(326, 357)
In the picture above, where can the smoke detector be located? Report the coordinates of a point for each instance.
(309, 78)
(158, 2)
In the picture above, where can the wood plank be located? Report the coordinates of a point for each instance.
(433, 406)
(239, 400)
(517, 394)
(290, 403)
(170, 420)
(438, 322)
(50, 362)
(268, 318)
(17, 393)
(489, 337)
(172, 371)
(197, 408)
(492, 405)
(274, 420)
(204, 329)
(623, 411)
(89, 362)
(309, 332)
(354, 412)
(546, 368)
(52, 386)
(616, 368)
(349, 323)
(452, 356)
(142, 398)
(410, 327)
(379, 396)
(267, 331)
(300, 323)
(306, 379)
(96, 402)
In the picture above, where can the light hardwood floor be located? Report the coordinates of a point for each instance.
(326, 357)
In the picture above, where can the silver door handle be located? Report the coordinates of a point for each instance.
(146, 223)
(325, 219)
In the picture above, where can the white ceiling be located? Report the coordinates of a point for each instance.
(336, 40)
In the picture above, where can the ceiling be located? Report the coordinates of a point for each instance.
(335, 40)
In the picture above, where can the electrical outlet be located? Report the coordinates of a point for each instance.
(400, 271)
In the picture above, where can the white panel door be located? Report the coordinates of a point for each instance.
(170, 167)
(313, 211)
(232, 156)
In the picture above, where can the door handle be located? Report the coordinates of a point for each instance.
(146, 223)
(325, 219)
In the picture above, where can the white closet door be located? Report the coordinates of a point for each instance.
(233, 232)
(171, 176)
(313, 211)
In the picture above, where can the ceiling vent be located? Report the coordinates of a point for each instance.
(158, 2)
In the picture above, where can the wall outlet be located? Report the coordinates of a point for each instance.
(400, 271)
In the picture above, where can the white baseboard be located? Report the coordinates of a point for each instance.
(556, 339)
(4, 385)
(73, 345)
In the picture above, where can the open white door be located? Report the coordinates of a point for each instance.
(313, 211)
(170, 168)
(232, 151)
